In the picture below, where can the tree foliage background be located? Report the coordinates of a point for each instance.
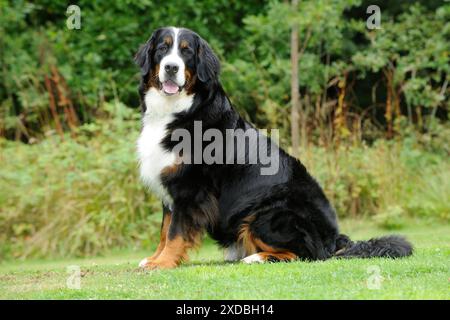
(373, 109)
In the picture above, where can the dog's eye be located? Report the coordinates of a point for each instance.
(186, 51)
(163, 49)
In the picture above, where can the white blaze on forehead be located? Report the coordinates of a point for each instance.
(173, 58)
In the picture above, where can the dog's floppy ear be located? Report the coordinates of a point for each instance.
(143, 57)
(208, 66)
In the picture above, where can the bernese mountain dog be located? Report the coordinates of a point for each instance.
(282, 215)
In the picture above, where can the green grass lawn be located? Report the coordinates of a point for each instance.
(425, 275)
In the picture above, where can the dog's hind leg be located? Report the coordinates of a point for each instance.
(259, 251)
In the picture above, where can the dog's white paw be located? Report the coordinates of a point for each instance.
(254, 258)
(143, 263)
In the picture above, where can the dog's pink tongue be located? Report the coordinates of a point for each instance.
(170, 87)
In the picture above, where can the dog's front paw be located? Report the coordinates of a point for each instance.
(144, 262)
(154, 264)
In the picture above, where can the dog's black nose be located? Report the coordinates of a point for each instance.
(171, 69)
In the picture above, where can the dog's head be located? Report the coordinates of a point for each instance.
(176, 59)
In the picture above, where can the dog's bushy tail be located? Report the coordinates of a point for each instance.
(387, 247)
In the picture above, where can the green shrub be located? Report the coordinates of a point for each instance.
(387, 178)
(74, 197)
(408, 55)
(82, 196)
(391, 218)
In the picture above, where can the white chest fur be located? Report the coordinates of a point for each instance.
(152, 157)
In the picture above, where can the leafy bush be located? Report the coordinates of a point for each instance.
(82, 196)
(402, 68)
(390, 179)
(74, 197)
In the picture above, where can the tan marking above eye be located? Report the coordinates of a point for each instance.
(184, 44)
(168, 40)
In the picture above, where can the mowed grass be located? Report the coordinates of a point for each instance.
(425, 275)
